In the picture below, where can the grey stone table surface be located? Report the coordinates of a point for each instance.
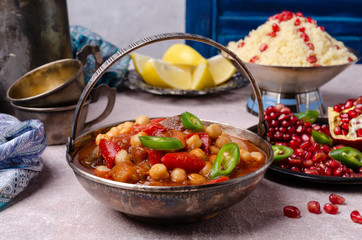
(55, 206)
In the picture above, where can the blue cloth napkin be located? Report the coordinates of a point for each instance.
(82, 36)
(21, 144)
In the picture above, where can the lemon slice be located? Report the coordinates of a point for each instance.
(221, 69)
(162, 74)
(183, 54)
(201, 78)
(139, 62)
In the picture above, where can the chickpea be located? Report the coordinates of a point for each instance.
(206, 170)
(142, 120)
(135, 141)
(199, 153)
(125, 127)
(212, 158)
(101, 136)
(222, 140)
(196, 179)
(214, 149)
(122, 156)
(114, 131)
(245, 155)
(158, 172)
(214, 130)
(257, 156)
(194, 142)
(178, 175)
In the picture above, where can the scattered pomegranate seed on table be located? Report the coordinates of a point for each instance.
(336, 199)
(330, 208)
(291, 212)
(314, 207)
(356, 217)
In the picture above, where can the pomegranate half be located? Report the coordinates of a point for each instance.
(345, 122)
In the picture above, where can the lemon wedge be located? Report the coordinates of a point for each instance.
(162, 74)
(221, 69)
(201, 77)
(183, 54)
(139, 62)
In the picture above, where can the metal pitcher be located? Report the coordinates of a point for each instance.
(32, 33)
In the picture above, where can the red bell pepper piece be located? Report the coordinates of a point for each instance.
(205, 141)
(157, 120)
(109, 151)
(154, 156)
(184, 160)
(151, 129)
(220, 179)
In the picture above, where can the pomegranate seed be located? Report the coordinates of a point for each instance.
(334, 164)
(286, 110)
(304, 144)
(318, 156)
(302, 29)
(275, 27)
(359, 132)
(350, 59)
(336, 199)
(263, 47)
(337, 108)
(311, 171)
(308, 163)
(269, 109)
(297, 22)
(352, 114)
(308, 155)
(300, 129)
(328, 171)
(286, 136)
(310, 46)
(325, 148)
(345, 126)
(240, 45)
(344, 132)
(272, 34)
(345, 120)
(338, 172)
(316, 127)
(279, 107)
(254, 59)
(314, 207)
(291, 129)
(291, 212)
(283, 117)
(282, 130)
(304, 36)
(337, 47)
(306, 137)
(322, 28)
(356, 217)
(349, 103)
(299, 14)
(358, 100)
(325, 128)
(312, 59)
(337, 130)
(293, 144)
(330, 208)
(285, 124)
(294, 161)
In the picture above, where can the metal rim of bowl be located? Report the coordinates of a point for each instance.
(44, 94)
(47, 109)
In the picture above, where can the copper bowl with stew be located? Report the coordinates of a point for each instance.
(169, 204)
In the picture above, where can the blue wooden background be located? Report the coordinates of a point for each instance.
(231, 20)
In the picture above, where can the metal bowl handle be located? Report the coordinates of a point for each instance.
(261, 127)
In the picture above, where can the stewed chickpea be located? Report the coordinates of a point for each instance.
(196, 179)
(135, 141)
(142, 120)
(178, 175)
(206, 170)
(122, 156)
(158, 172)
(193, 142)
(199, 153)
(222, 140)
(214, 130)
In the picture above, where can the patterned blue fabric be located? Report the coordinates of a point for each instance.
(82, 36)
(21, 144)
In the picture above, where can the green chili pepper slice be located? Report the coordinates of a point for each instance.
(308, 116)
(190, 121)
(281, 152)
(322, 138)
(226, 160)
(349, 156)
(160, 143)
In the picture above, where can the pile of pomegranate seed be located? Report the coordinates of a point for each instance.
(284, 128)
(330, 208)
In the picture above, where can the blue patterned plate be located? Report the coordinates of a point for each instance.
(134, 81)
